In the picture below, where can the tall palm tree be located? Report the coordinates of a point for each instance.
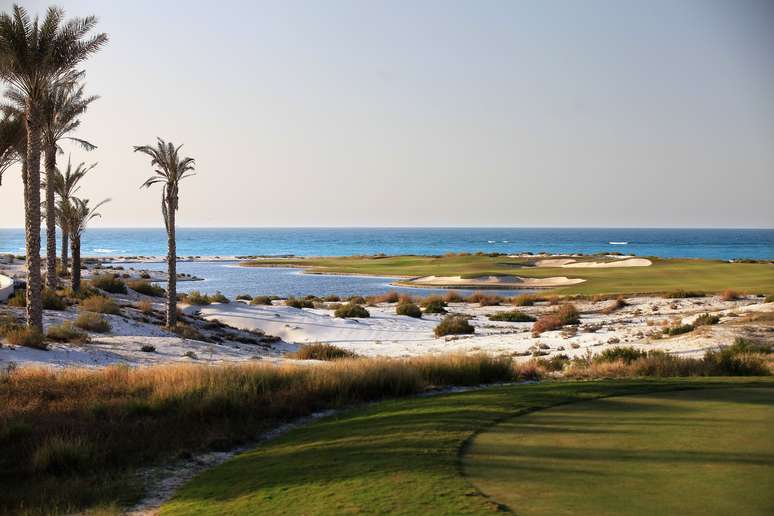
(61, 110)
(78, 214)
(65, 186)
(12, 141)
(36, 57)
(169, 170)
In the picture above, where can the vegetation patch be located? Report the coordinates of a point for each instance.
(100, 304)
(66, 332)
(261, 300)
(109, 283)
(351, 310)
(146, 288)
(454, 325)
(564, 315)
(409, 309)
(321, 351)
(27, 337)
(512, 316)
(93, 322)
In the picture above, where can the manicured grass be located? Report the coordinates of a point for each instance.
(664, 275)
(392, 457)
(687, 452)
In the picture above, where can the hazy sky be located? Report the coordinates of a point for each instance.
(447, 113)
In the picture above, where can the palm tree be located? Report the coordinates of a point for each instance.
(36, 58)
(65, 186)
(169, 170)
(78, 214)
(61, 110)
(12, 141)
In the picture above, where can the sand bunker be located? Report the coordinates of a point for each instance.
(571, 263)
(495, 281)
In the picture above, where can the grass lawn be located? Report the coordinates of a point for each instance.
(687, 452)
(663, 276)
(403, 456)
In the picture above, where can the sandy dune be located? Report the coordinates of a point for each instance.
(494, 282)
(572, 263)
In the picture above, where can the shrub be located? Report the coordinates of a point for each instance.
(195, 297)
(320, 351)
(27, 337)
(564, 315)
(8, 323)
(490, 301)
(615, 306)
(452, 296)
(91, 321)
(59, 455)
(147, 288)
(19, 299)
(682, 294)
(261, 300)
(51, 301)
(409, 309)
(350, 310)
(188, 332)
(357, 300)
(512, 316)
(218, 297)
(524, 300)
(244, 297)
(332, 299)
(145, 275)
(678, 330)
(299, 303)
(454, 325)
(729, 295)
(65, 332)
(706, 320)
(434, 305)
(144, 306)
(147, 348)
(554, 363)
(108, 283)
(100, 304)
(731, 362)
(389, 297)
(626, 354)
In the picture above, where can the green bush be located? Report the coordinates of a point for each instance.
(524, 300)
(320, 351)
(65, 332)
(51, 301)
(147, 288)
(357, 300)
(627, 354)
(8, 323)
(299, 303)
(454, 325)
(730, 362)
(683, 294)
(195, 297)
(19, 299)
(108, 283)
(409, 309)
(261, 300)
(706, 320)
(218, 297)
(769, 299)
(678, 330)
(27, 337)
(351, 310)
(743, 345)
(332, 299)
(100, 304)
(434, 305)
(91, 321)
(513, 316)
(244, 297)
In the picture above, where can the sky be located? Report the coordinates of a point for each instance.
(558, 113)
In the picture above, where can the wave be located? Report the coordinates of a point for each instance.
(618, 243)
(491, 241)
(102, 250)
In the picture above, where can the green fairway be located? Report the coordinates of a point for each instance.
(662, 276)
(398, 456)
(689, 452)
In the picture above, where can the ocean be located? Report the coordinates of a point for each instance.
(725, 244)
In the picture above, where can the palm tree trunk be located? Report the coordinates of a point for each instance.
(51, 276)
(171, 265)
(75, 246)
(32, 220)
(65, 240)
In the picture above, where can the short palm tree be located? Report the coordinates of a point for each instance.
(78, 214)
(62, 108)
(35, 58)
(169, 170)
(65, 186)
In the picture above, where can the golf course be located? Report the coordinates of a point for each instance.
(668, 446)
(660, 275)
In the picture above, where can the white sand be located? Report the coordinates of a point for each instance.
(572, 263)
(493, 281)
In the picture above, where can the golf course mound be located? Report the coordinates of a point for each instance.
(686, 452)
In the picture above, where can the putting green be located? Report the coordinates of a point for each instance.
(687, 452)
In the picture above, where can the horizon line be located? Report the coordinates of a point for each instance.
(21, 228)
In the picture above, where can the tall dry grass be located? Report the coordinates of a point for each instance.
(86, 429)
